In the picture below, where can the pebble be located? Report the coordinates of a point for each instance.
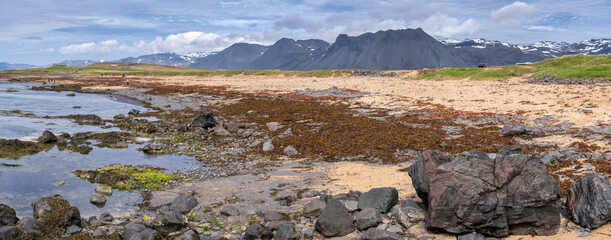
(268, 146)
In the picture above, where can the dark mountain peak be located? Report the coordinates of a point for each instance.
(236, 56)
(288, 54)
(386, 50)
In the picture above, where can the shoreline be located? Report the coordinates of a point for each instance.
(347, 172)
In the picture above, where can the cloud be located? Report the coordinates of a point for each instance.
(178, 43)
(446, 26)
(105, 47)
(545, 28)
(513, 15)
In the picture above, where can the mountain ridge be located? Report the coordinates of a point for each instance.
(382, 50)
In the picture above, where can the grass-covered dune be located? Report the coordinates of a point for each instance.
(573, 66)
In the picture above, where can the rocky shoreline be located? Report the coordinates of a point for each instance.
(254, 143)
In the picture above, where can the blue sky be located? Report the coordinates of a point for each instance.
(44, 31)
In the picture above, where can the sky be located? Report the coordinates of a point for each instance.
(45, 31)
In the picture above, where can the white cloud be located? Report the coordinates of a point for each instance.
(445, 26)
(513, 15)
(546, 28)
(178, 43)
(108, 46)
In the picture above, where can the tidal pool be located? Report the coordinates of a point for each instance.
(29, 178)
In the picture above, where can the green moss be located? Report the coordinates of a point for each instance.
(127, 177)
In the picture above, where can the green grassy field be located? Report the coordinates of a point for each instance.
(160, 70)
(578, 66)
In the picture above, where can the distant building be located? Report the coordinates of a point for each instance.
(60, 64)
(482, 65)
(101, 59)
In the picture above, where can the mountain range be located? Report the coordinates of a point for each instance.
(10, 66)
(391, 50)
(382, 50)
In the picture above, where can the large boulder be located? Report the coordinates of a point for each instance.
(7, 215)
(55, 215)
(511, 194)
(335, 220)
(170, 219)
(382, 199)
(204, 119)
(184, 203)
(589, 200)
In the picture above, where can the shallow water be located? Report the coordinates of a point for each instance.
(16, 96)
(38, 175)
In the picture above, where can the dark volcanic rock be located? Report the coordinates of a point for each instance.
(184, 203)
(379, 234)
(257, 231)
(286, 231)
(229, 210)
(271, 216)
(47, 137)
(517, 129)
(138, 231)
(314, 208)
(170, 219)
(367, 218)
(335, 220)
(511, 194)
(7, 215)
(382, 199)
(589, 200)
(204, 119)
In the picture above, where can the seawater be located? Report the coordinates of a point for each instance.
(39, 175)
